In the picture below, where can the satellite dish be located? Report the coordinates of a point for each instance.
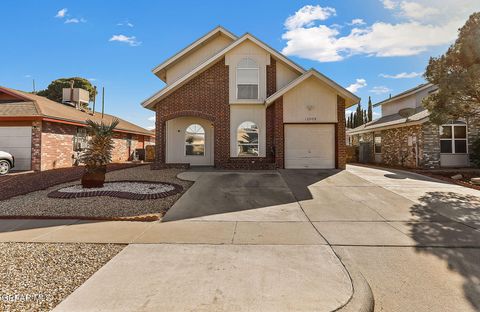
(406, 112)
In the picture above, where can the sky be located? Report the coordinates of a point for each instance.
(372, 47)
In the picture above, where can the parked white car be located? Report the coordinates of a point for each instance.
(7, 162)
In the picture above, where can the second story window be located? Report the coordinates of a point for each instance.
(248, 74)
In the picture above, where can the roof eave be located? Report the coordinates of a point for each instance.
(385, 127)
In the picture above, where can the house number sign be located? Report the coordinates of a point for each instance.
(310, 118)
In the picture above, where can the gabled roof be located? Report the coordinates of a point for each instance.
(350, 98)
(406, 93)
(32, 105)
(217, 30)
(392, 121)
(149, 103)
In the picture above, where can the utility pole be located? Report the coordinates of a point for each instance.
(94, 98)
(103, 100)
(33, 83)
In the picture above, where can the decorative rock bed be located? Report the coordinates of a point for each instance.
(138, 190)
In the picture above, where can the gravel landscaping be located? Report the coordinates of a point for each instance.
(37, 277)
(99, 207)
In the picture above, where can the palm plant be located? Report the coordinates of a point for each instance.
(98, 153)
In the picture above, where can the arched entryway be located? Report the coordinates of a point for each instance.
(190, 140)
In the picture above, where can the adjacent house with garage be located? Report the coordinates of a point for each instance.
(405, 137)
(234, 102)
(43, 134)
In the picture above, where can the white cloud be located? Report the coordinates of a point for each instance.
(132, 41)
(151, 118)
(380, 90)
(403, 75)
(307, 15)
(357, 21)
(151, 128)
(61, 13)
(423, 24)
(126, 23)
(92, 79)
(75, 20)
(358, 84)
(376, 114)
(28, 76)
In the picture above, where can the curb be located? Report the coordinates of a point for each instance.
(362, 299)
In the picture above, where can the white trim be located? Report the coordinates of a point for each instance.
(399, 125)
(165, 91)
(452, 126)
(351, 99)
(196, 43)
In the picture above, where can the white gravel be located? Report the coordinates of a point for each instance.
(127, 187)
(39, 204)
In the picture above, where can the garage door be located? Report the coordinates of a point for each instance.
(18, 142)
(310, 146)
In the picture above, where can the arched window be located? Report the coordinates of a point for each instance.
(247, 139)
(453, 138)
(195, 140)
(247, 79)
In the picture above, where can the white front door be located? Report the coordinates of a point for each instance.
(18, 142)
(309, 146)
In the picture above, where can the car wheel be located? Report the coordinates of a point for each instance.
(4, 167)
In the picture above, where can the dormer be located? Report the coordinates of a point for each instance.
(193, 55)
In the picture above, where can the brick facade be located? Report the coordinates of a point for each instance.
(57, 145)
(340, 135)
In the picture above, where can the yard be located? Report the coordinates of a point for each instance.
(99, 207)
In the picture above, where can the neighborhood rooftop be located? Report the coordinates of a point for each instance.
(34, 106)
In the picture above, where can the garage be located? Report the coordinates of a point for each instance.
(309, 146)
(18, 142)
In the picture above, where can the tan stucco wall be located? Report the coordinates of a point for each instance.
(176, 141)
(247, 49)
(285, 75)
(310, 101)
(247, 112)
(411, 101)
(198, 56)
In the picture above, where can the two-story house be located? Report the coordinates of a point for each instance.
(234, 102)
(405, 137)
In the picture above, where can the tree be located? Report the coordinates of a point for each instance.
(54, 89)
(475, 152)
(370, 109)
(359, 116)
(365, 117)
(457, 75)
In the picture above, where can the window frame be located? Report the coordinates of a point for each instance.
(258, 79)
(452, 126)
(238, 144)
(186, 144)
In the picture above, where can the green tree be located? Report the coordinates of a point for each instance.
(370, 109)
(54, 89)
(457, 75)
(475, 152)
(359, 116)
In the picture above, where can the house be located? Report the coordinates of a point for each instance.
(405, 137)
(43, 134)
(236, 103)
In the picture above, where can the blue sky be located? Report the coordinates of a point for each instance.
(364, 45)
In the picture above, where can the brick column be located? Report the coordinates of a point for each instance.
(340, 135)
(36, 145)
(279, 135)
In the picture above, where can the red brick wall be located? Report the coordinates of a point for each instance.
(340, 135)
(37, 145)
(57, 145)
(206, 96)
(279, 133)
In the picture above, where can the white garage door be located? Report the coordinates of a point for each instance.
(18, 142)
(310, 146)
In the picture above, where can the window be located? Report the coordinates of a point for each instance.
(247, 79)
(195, 140)
(247, 139)
(80, 140)
(378, 143)
(453, 138)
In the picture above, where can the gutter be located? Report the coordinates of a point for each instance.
(405, 124)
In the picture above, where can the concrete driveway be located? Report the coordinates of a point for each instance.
(268, 241)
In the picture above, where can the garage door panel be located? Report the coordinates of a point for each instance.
(310, 146)
(17, 141)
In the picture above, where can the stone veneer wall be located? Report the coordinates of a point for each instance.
(396, 150)
(431, 145)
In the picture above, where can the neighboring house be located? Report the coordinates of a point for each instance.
(404, 136)
(43, 134)
(234, 102)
